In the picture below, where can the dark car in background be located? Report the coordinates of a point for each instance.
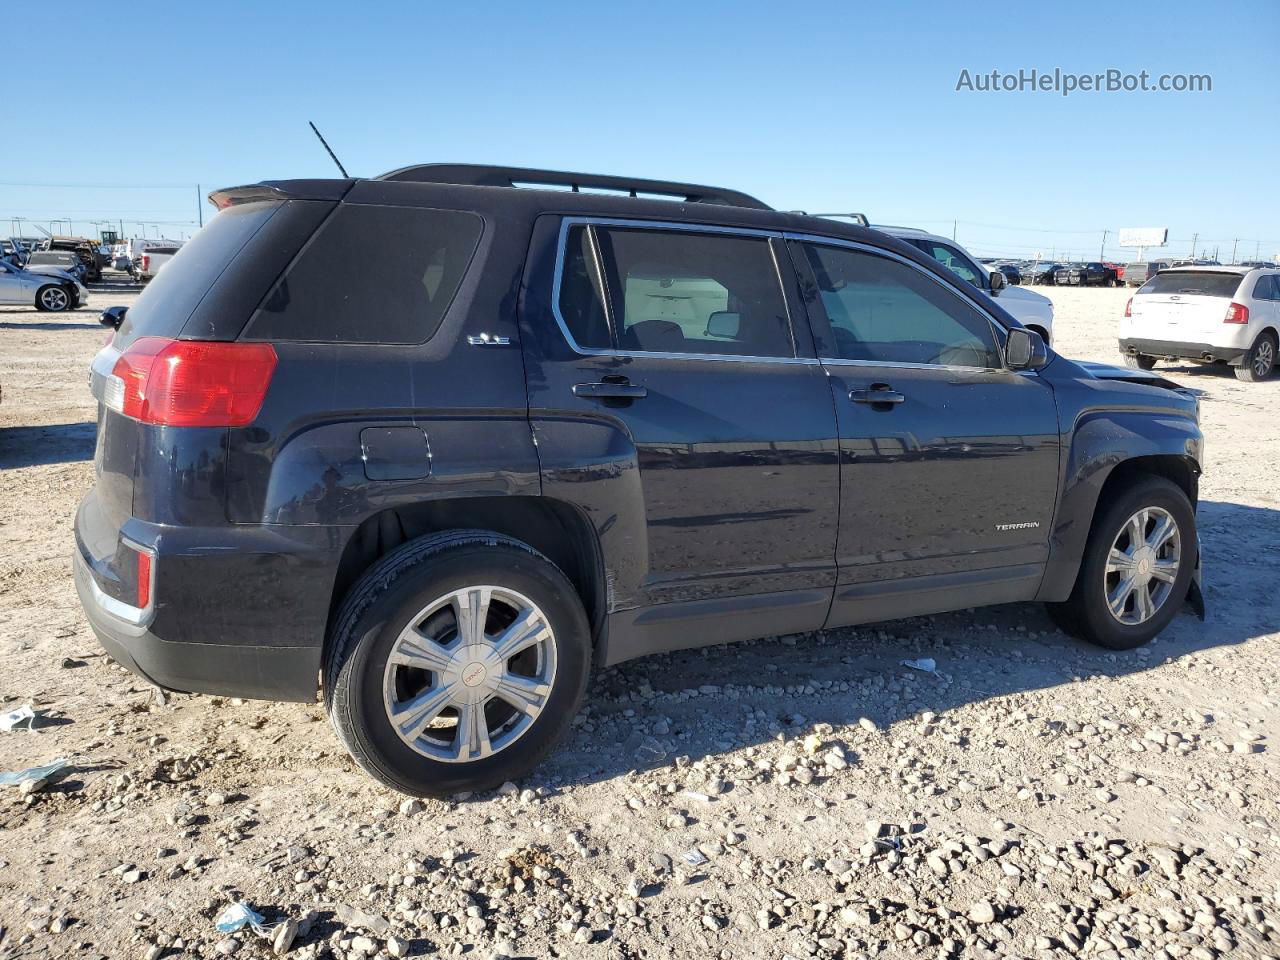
(1041, 273)
(541, 430)
(1010, 271)
(1092, 274)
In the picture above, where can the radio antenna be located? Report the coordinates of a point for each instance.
(325, 144)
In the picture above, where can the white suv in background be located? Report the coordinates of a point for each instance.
(1206, 314)
(1032, 310)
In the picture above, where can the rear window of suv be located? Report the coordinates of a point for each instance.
(169, 299)
(1203, 283)
(371, 274)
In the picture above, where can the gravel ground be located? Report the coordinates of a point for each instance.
(804, 796)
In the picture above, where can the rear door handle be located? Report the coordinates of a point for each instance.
(877, 393)
(611, 391)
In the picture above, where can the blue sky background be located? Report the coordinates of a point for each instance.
(814, 105)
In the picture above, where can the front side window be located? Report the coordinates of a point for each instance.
(673, 292)
(882, 310)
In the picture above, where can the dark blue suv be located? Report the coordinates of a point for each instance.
(438, 442)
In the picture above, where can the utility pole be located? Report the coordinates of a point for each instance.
(953, 230)
(199, 206)
(1102, 252)
(1194, 238)
(1233, 249)
(1257, 248)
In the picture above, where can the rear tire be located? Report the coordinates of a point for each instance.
(1260, 362)
(408, 644)
(1125, 560)
(1139, 361)
(52, 298)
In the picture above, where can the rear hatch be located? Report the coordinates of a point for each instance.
(206, 292)
(1183, 306)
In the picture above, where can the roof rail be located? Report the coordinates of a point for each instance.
(480, 175)
(859, 218)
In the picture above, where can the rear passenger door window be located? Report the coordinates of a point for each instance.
(880, 310)
(676, 292)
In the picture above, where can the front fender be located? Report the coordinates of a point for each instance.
(1099, 442)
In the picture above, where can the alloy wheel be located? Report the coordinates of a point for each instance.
(54, 298)
(1142, 566)
(1264, 357)
(470, 673)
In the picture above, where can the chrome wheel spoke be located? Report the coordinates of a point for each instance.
(1142, 605)
(1119, 562)
(529, 628)
(1165, 570)
(1165, 529)
(472, 610)
(415, 715)
(422, 653)
(471, 741)
(526, 694)
(1137, 527)
(1119, 597)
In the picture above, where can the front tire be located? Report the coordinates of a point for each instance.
(1137, 567)
(1139, 361)
(1260, 362)
(456, 663)
(53, 299)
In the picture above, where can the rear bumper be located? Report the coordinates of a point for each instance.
(257, 673)
(238, 611)
(1173, 349)
(233, 670)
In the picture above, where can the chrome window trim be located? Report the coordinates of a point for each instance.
(881, 252)
(568, 223)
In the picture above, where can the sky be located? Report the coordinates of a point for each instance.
(846, 106)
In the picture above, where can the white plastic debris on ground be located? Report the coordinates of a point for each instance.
(11, 720)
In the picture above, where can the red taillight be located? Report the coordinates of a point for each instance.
(1128, 308)
(144, 580)
(1236, 313)
(186, 383)
(146, 261)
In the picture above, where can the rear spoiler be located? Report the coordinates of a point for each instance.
(280, 190)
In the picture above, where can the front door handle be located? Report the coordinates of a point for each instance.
(877, 393)
(610, 390)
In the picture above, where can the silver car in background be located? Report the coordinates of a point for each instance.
(51, 291)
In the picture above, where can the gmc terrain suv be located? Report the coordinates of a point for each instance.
(544, 429)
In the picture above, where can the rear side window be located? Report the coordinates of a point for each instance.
(1266, 287)
(674, 292)
(372, 274)
(1203, 283)
(170, 298)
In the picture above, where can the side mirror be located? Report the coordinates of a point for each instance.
(112, 317)
(1025, 350)
(998, 282)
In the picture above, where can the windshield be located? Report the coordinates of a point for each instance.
(1204, 283)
